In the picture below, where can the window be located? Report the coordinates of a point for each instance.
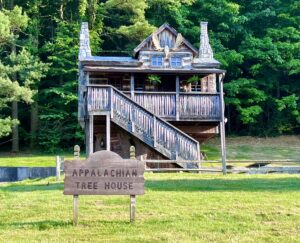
(156, 61)
(175, 61)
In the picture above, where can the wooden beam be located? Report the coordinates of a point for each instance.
(222, 124)
(177, 97)
(91, 135)
(108, 132)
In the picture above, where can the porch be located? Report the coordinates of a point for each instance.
(171, 96)
(193, 106)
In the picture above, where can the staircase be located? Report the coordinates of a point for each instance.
(135, 119)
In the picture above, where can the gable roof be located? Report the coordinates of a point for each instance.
(159, 30)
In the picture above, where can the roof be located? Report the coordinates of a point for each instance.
(111, 61)
(159, 30)
(111, 58)
(151, 70)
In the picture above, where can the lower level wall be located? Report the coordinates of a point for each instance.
(122, 140)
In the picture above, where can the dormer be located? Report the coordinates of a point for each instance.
(165, 48)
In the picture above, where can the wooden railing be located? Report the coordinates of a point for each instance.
(199, 106)
(161, 104)
(185, 106)
(151, 129)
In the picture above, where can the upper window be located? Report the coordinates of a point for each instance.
(175, 61)
(156, 61)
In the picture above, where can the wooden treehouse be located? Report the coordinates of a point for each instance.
(165, 100)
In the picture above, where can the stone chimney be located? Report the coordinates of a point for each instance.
(205, 51)
(84, 49)
(206, 55)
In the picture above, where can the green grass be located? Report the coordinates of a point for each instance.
(283, 147)
(29, 160)
(176, 208)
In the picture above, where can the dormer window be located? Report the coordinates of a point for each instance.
(176, 61)
(156, 60)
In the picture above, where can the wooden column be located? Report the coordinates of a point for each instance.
(154, 132)
(86, 140)
(108, 132)
(132, 86)
(91, 135)
(57, 162)
(222, 124)
(177, 97)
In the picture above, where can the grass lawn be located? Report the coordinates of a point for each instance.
(178, 207)
(29, 160)
(283, 147)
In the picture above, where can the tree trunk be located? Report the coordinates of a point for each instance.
(15, 130)
(34, 122)
(14, 114)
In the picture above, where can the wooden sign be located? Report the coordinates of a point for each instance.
(104, 173)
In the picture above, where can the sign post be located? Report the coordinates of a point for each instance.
(75, 197)
(104, 173)
(132, 197)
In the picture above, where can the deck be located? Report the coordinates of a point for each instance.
(183, 106)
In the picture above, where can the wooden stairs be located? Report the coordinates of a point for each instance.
(141, 123)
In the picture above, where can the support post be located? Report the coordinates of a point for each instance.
(132, 197)
(91, 135)
(76, 197)
(154, 132)
(132, 86)
(75, 209)
(177, 98)
(57, 162)
(132, 208)
(222, 124)
(108, 132)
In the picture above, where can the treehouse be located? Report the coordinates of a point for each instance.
(165, 100)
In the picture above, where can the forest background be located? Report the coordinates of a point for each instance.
(257, 42)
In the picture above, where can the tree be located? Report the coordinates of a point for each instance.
(20, 68)
(125, 24)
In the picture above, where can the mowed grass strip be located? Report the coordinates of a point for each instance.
(30, 160)
(180, 207)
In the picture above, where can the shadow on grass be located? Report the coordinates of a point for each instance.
(247, 184)
(40, 225)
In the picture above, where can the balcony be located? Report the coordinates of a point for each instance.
(182, 106)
